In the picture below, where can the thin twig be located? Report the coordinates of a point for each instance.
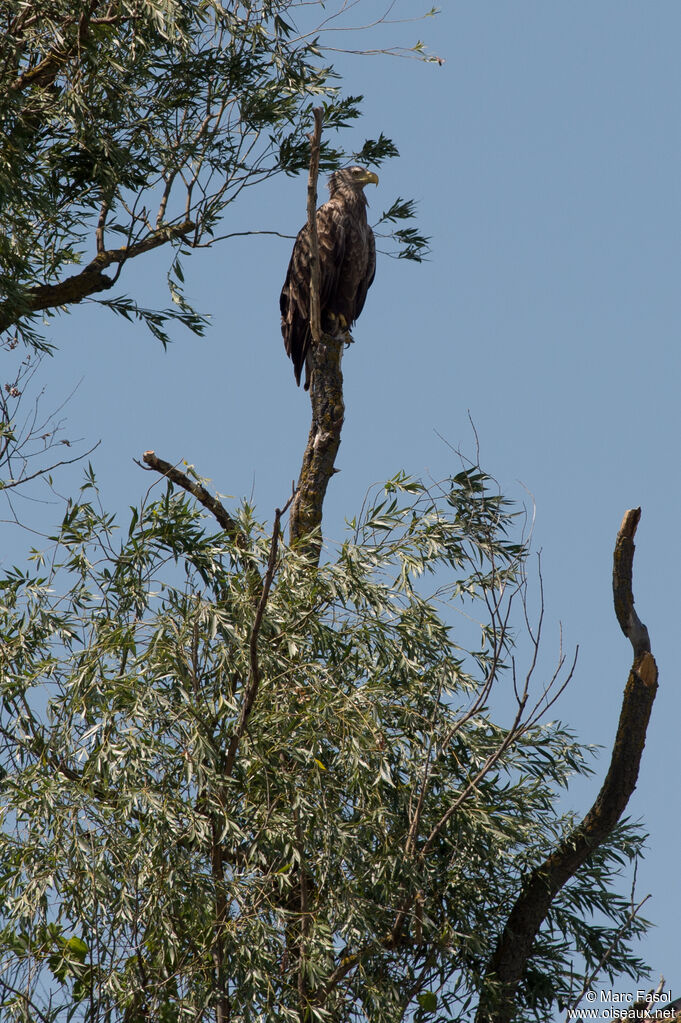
(240, 234)
(604, 958)
(24, 997)
(8, 484)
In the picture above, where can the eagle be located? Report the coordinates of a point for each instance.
(347, 264)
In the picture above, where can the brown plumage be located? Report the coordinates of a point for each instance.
(347, 264)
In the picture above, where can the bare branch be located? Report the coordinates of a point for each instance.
(326, 391)
(631, 625)
(328, 414)
(34, 434)
(8, 484)
(101, 224)
(315, 311)
(23, 997)
(197, 490)
(239, 234)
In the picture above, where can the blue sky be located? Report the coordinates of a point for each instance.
(545, 156)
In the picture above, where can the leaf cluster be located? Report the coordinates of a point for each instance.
(340, 864)
(131, 124)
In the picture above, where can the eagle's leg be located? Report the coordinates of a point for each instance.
(335, 325)
(344, 331)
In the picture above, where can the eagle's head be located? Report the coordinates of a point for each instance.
(350, 181)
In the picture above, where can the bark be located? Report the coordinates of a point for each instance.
(514, 947)
(328, 412)
(315, 301)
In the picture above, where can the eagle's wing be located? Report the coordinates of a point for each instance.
(294, 303)
(368, 279)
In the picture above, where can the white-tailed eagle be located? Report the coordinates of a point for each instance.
(347, 264)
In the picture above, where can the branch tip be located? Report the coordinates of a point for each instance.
(630, 522)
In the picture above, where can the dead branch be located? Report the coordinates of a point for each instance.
(514, 946)
(328, 414)
(623, 561)
(326, 393)
(315, 143)
(197, 490)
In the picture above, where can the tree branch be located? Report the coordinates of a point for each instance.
(256, 585)
(223, 1006)
(315, 143)
(44, 74)
(328, 414)
(197, 490)
(21, 996)
(91, 279)
(304, 923)
(622, 568)
(326, 393)
(10, 483)
(254, 678)
(514, 947)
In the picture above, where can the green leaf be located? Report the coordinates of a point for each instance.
(428, 1001)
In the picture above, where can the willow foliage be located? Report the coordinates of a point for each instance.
(278, 808)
